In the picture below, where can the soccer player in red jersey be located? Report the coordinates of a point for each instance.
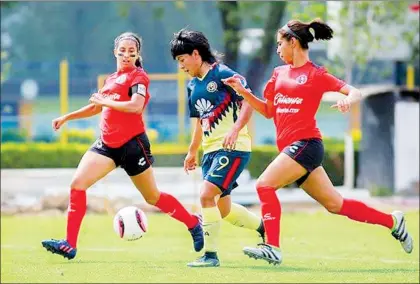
(123, 142)
(292, 97)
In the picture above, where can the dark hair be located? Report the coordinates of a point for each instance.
(186, 41)
(301, 31)
(137, 39)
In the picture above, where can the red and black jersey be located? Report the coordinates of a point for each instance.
(296, 94)
(118, 127)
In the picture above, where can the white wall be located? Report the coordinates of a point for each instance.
(406, 145)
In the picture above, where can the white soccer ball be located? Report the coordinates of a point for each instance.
(130, 223)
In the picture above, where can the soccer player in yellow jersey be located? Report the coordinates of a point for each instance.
(221, 129)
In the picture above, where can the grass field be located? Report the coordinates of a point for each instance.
(317, 247)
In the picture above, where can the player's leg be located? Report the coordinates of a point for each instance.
(213, 166)
(211, 226)
(293, 164)
(230, 165)
(239, 216)
(94, 165)
(138, 165)
(319, 186)
(220, 171)
(281, 172)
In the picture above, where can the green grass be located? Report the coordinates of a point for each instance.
(317, 247)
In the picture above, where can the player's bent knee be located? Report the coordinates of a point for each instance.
(206, 197)
(333, 207)
(152, 199)
(224, 211)
(79, 184)
(261, 183)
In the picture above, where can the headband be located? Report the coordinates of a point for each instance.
(289, 31)
(131, 38)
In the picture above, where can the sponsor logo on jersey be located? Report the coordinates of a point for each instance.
(203, 105)
(281, 99)
(114, 96)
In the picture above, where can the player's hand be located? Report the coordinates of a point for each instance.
(98, 99)
(56, 123)
(190, 162)
(343, 105)
(229, 142)
(234, 83)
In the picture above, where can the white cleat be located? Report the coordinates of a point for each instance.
(400, 232)
(267, 252)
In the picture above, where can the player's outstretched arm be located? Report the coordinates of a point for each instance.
(86, 111)
(353, 95)
(255, 102)
(135, 105)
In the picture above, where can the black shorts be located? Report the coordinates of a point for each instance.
(309, 153)
(134, 156)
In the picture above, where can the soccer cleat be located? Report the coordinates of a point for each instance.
(61, 247)
(209, 259)
(400, 232)
(198, 234)
(261, 231)
(264, 251)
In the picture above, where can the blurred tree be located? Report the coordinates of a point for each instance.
(231, 23)
(5, 66)
(231, 14)
(261, 59)
(7, 4)
(366, 22)
(369, 18)
(5, 63)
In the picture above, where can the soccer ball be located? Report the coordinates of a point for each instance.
(130, 223)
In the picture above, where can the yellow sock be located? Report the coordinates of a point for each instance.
(211, 227)
(242, 217)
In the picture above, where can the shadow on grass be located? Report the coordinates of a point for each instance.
(286, 268)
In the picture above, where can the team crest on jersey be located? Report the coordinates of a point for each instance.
(302, 79)
(121, 79)
(212, 87)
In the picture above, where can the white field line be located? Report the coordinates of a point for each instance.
(287, 255)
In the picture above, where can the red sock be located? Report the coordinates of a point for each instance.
(171, 206)
(359, 211)
(75, 214)
(271, 213)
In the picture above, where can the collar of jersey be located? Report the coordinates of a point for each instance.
(295, 68)
(126, 70)
(208, 71)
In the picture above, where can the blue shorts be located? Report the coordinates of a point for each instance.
(222, 168)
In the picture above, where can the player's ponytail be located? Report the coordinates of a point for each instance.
(322, 31)
(306, 32)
